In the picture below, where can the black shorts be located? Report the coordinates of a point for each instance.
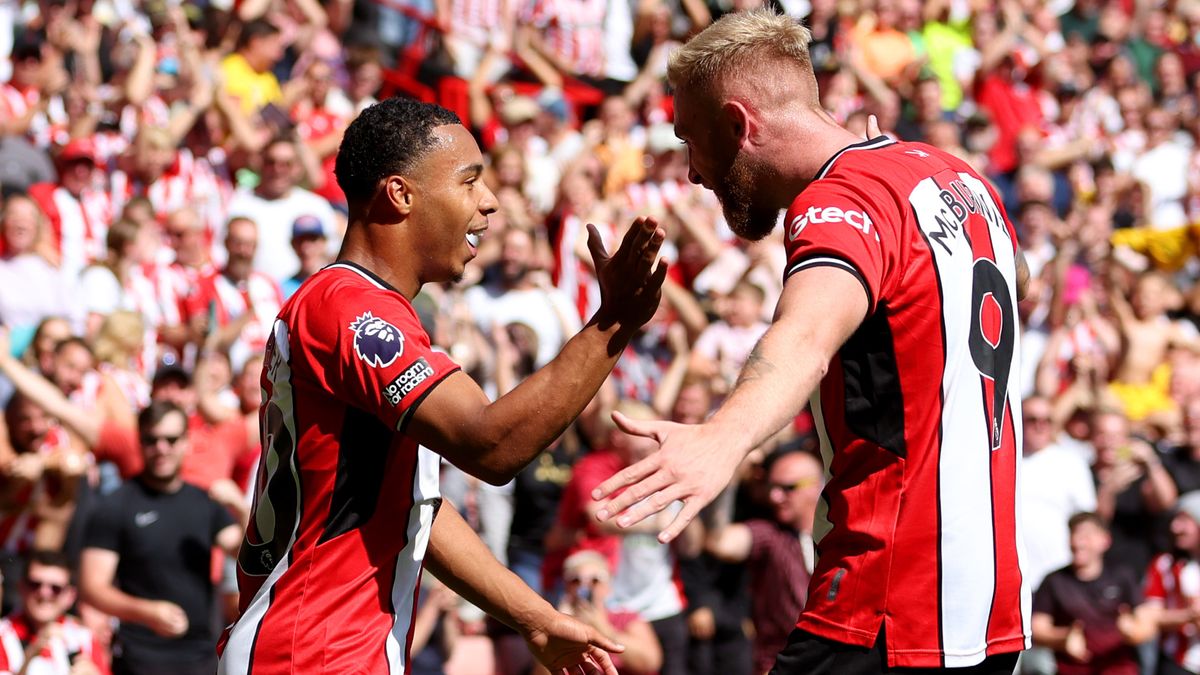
(808, 654)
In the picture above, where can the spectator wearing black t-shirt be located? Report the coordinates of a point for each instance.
(1090, 614)
(147, 557)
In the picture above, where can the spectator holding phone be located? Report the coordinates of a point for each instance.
(588, 585)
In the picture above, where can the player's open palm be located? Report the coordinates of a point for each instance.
(692, 465)
(630, 282)
(568, 646)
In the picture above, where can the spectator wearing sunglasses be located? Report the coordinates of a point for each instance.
(146, 556)
(41, 637)
(778, 552)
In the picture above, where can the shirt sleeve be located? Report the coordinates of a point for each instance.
(1043, 599)
(1133, 591)
(220, 520)
(1155, 589)
(828, 227)
(104, 526)
(386, 365)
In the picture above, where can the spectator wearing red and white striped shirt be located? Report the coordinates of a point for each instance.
(233, 309)
(566, 36)
(78, 207)
(1173, 588)
(170, 178)
(41, 639)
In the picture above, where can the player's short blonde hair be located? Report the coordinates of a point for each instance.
(739, 41)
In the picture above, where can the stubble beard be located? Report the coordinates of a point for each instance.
(748, 220)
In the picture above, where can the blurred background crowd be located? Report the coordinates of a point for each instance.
(166, 170)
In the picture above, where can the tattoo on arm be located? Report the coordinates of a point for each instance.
(756, 365)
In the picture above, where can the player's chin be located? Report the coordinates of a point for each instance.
(750, 223)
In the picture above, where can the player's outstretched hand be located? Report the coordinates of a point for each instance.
(692, 465)
(565, 645)
(630, 282)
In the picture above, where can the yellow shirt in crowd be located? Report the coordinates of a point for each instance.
(1168, 250)
(252, 89)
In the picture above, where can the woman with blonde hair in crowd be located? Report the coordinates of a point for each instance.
(118, 347)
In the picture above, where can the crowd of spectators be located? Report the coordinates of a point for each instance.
(166, 172)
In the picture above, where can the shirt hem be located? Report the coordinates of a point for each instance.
(909, 658)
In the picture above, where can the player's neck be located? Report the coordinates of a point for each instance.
(823, 138)
(361, 248)
(1090, 571)
(162, 485)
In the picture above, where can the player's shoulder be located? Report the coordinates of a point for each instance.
(884, 161)
(345, 306)
(344, 288)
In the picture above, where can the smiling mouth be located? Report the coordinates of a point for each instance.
(474, 239)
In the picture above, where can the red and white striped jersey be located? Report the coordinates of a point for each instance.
(571, 275)
(80, 225)
(1174, 582)
(17, 527)
(72, 643)
(572, 30)
(199, 183)
(223, 300)
(475, 20)
(46, 128)
(917, 528)
(345, 500)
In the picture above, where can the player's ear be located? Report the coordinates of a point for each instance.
(740, 121)
(398, 192)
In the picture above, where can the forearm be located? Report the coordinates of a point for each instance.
(1160, 491)
(113, 601)
(1050, 636)
(459, 558)
(48, 397)
(774, 386)
(1174, 619)
(555, 395)
(642, 652)
(1106, 502)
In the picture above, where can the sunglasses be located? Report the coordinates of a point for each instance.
(35, 586)
(789, 488)
(151, 439)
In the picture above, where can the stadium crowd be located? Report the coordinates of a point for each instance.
(167, 183)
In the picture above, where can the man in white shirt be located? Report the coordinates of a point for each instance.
(1055, 484)
(275, 204)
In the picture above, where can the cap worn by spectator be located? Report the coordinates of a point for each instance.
(307, 226)
(1189, 503)
(519, 109)
(80, 148)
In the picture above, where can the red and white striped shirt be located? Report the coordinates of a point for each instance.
(17, 528)
(572, 275)
(72, 643)
(572, 30)
(1174, 582)
(200, 183)
(345, 499)
(917, 528)
(475, 20)
(224, 301)
(80, 225)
